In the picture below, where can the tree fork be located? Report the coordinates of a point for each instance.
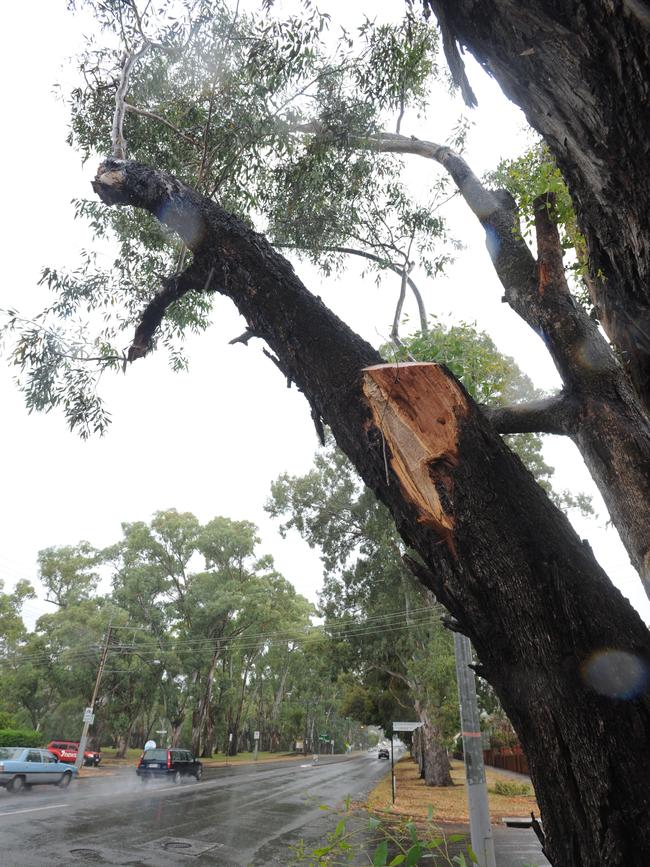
(548, 626)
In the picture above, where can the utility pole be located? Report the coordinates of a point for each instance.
(89, 716)
(479, 814)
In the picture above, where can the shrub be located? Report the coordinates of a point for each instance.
(511, 788)
(20, 738)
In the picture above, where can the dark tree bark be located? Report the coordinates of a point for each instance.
(566, 653)
(580, 70)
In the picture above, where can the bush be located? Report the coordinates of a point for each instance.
(510, 788)
(20, 738)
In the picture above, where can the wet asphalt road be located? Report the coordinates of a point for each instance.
(243, 815)
(238, 816)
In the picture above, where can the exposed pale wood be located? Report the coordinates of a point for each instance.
(416, 407)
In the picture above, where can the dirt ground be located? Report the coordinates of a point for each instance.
(446, 804)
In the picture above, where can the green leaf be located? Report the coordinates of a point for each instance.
(413, 855)
(340, 828)
(398, 859)
(380, 855)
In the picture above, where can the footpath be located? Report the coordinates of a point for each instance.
(444, 810)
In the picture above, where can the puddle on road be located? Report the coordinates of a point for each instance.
(182, 846)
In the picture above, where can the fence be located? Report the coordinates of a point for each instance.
(509, 759)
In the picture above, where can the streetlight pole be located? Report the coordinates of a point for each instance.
(88, 713)
(479, 813)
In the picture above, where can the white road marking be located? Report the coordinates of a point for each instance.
(32, 809)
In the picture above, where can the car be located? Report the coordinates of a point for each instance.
(171, 764)
(22, 767)
(66, 751)
(383, 753)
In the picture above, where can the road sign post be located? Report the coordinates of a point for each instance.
(399, 726)
(256, 738)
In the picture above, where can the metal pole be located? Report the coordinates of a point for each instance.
(84, 733)
(479, 814)
(392, 765)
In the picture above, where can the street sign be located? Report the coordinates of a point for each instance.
(89, 716)
(406, 726)
(256, 736)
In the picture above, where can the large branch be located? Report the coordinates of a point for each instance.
(579, 70)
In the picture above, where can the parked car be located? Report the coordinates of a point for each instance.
(21, 767)
(383, 753)
(66, 751)
(173, 764)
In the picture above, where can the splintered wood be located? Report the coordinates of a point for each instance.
(416, 406)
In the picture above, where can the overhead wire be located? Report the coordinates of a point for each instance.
(373, 625)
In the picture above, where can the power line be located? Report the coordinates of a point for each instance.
(392, 622)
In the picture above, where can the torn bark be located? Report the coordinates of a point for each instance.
(566, 653)
(579, 70)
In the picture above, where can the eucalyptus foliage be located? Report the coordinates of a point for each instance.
(257, 111)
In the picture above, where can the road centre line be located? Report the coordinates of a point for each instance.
(32, 809)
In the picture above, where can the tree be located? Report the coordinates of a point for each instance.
(497, 542)
(68, 573)
(563, 650)
(579, 72)
(217, 617)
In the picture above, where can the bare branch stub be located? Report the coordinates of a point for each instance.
(195, 278)
(243, 338)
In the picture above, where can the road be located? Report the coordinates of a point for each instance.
(237, 816)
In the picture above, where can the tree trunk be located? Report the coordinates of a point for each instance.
(566, 653)
(579, 70)
(436, 767)
(175, 736)
(201, 716)
(121, 745)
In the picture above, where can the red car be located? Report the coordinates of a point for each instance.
(66, 751)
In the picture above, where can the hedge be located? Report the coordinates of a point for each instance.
(20, 738)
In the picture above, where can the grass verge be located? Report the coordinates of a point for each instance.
(445, 804)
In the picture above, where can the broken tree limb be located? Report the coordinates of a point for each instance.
(542, 615)
(195, 277)
(554, 415)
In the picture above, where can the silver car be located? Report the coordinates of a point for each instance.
(21, 767)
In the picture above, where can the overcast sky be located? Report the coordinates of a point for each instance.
(210, 441)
